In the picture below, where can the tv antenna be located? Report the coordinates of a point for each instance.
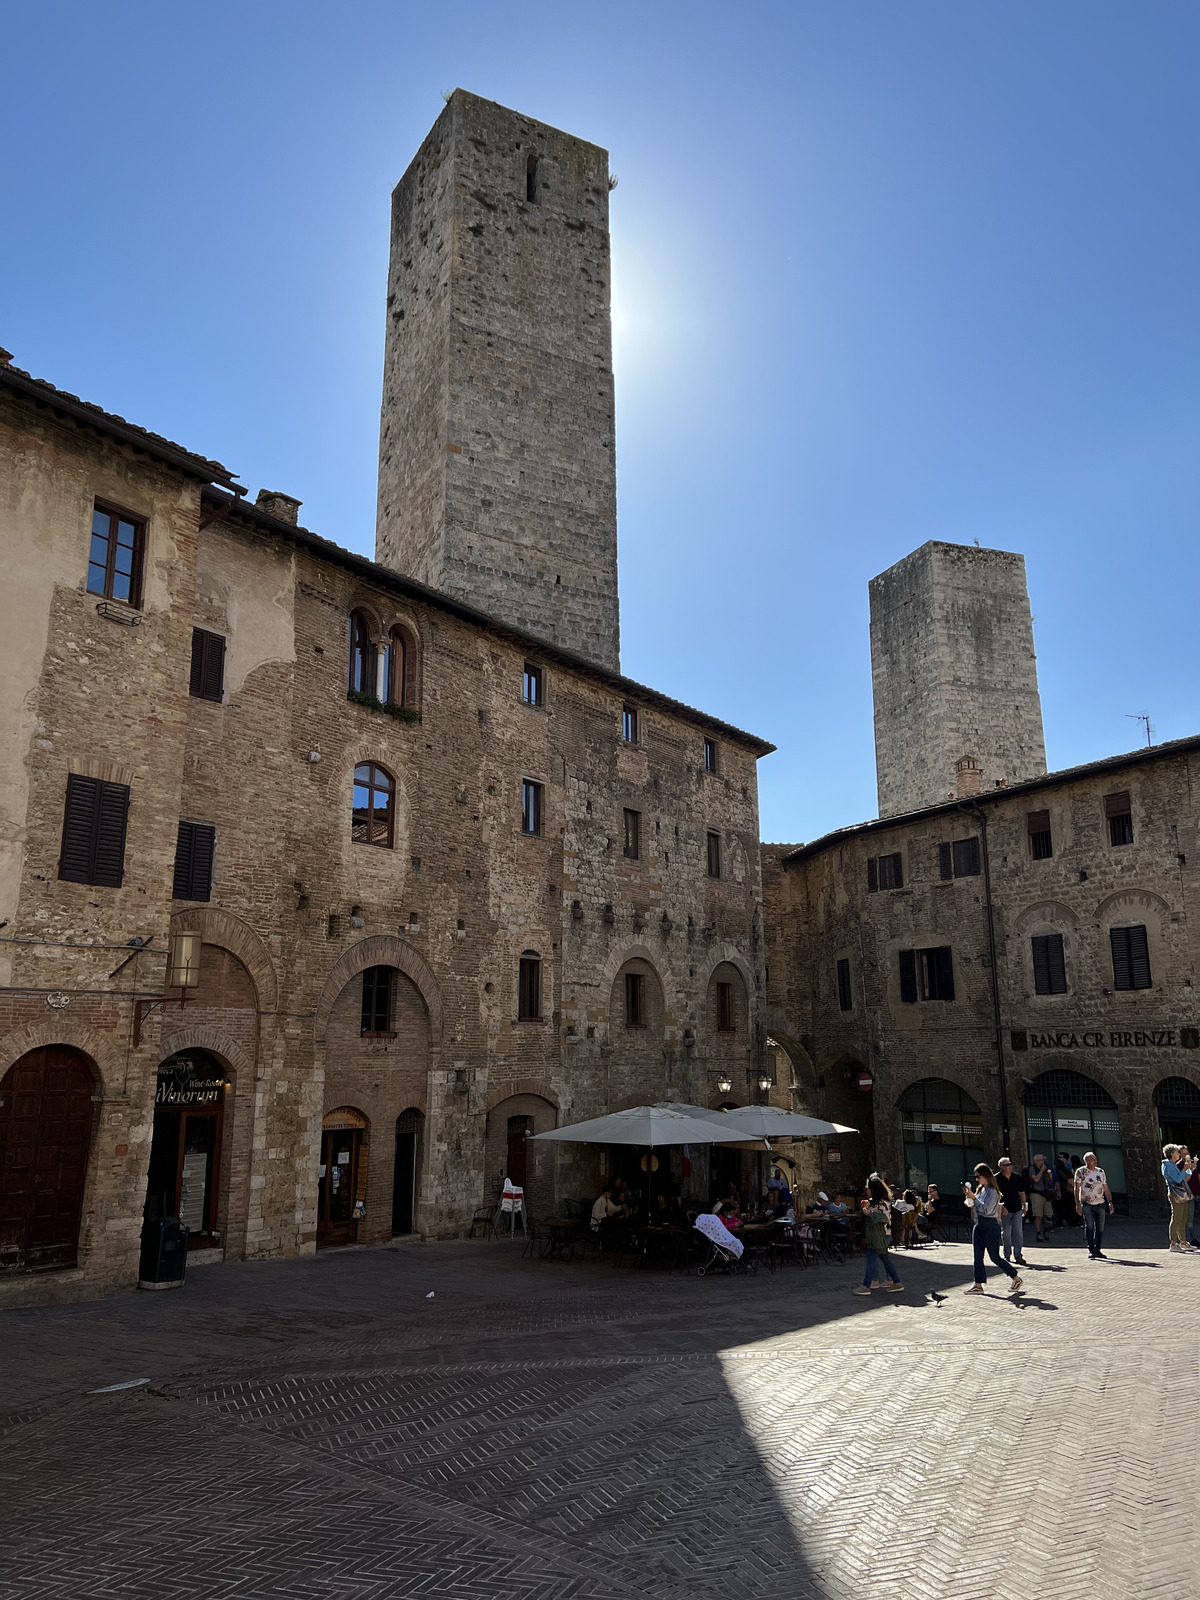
(1141, 716)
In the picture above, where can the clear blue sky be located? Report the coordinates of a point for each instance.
(883, 272)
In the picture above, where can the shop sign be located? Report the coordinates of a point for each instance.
(185, 1082)
(833, 1153)
(865, 1081)
(943, 1127)
(1072, 1122)
(1108, 1039)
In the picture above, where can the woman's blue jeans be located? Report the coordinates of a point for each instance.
(874, 1262)
(986, 1237)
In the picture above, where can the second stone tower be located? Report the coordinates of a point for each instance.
(497, 477)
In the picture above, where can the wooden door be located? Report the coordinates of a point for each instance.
(46, 1117)
(337, 1186)
(404, 1177)
(518, 1127)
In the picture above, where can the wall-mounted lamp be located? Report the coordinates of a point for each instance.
(724, 1083)
(764, 1082)
(183, 963)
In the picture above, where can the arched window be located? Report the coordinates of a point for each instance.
(943, 1135)
(396, 668)
(362, 656)
(374, 792)
(531, 167)
(1068, 1114)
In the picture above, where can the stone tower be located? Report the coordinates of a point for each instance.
(954, 675)
(497, 478)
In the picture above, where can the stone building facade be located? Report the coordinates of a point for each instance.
(954, 676)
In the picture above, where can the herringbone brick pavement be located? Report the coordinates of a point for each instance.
(550, 1430)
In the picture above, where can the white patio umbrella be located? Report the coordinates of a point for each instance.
(770, 1122)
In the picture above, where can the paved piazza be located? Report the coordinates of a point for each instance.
(554, 1431)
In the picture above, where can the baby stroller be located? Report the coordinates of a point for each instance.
(726, 1252)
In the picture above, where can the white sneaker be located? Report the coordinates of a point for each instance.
(1178, 1249)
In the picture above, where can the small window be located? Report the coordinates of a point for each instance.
(377, 1000)
(194, 861)
(845, 998)
(926, 974)
(207, 680)
(629, 724)
(714, 855)
(711, 756)
(115, 556)
(362, 656)
(1119, 817)
(531, 187)
(531, 806)
(1130, 958)
(885, 872)
(373, 809)
(960, 859)
(93, 836)
(635, 1000)
(532, 691)
(1049, 964)
(633, 835)
(529, 988)
(395, 668)
(725, 1023)
(1041, 844)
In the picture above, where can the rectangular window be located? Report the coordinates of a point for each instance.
(529, 989)
(633, 834)
(714, 855)
(532, 690)
(1041, 845)
(531, 806)
(960, 859)
(710, 755)
(194, 861)
(377, 1000)
(885, 872)
(1130, 958)
(926, 974)
(1119, 817)
(845, 998)
(1049, 964)
(115, 556)
(629, 724)
(208, 665)
(93, 836)
(635, 1000)
(725, 1008)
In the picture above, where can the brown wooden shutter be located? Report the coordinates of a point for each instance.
(966, 857)
(872, 876)
(1139, 958)
(1118, 939)
(945, 973)
(908, 976)
(207, 680)
(193, 861)
(1041, 963)
(945, 861)
(110, 835)
(94, 823)
(897, 871)
(1037, 822)
(1056, 963)
(1117, 805)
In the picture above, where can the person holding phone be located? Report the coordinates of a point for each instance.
(984, 1200)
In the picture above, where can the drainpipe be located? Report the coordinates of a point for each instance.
(975, 811)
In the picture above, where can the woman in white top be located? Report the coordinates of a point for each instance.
(984, 1200)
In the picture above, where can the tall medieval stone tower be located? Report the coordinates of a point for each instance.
(497, 477)
(954, 674)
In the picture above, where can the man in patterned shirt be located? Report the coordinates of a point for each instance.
(1094, 1199)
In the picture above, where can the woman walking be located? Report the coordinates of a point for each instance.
(878, 1213)
(984, 1200)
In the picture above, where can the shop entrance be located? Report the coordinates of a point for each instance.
(185, 1152)
(46, 1117)
(342, 1177)
(404, 1180)
(1177, 1102)
(943, 1136)
(1069, 1114)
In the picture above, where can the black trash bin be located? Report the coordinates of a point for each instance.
(164, 1254)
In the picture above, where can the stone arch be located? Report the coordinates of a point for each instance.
(369, 607)
(222, 928)
(1132, 900)
(1119, 1091)
(217, 1044)
(626, 953)
(104, 1050)
(720, 953)
(381, 950)
(1051, 912)
(511, 1088)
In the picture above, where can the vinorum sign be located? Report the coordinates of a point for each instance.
(1108, 1039)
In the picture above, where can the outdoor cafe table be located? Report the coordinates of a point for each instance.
(562, 1231)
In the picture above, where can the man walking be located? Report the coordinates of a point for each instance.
(1042, 1186)
(1012, 1210)
(1094, 1199)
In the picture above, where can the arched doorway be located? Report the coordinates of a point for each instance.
(1068, 1114)
(185, 1153)
(342, 1176)
(516, 1169)
(943, 1135)
(1177, 1101)
(46, 1120)
(407, 1170)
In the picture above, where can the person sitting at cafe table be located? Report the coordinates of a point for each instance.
(833, 1207)
(779, 1195)
(604, 1208)
(730, 1214)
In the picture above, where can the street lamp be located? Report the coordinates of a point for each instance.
(724, 1083)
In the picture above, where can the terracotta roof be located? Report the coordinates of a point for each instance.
(1049, 780)
(152, 444)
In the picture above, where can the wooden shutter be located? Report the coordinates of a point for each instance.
(207, 680)
(966, 857)
(845, 999)
(945, 973)
(945, 861)
(872, 875)
(908, 976)
(1139, 958)
(193, 861)
(1118, 939)
(1117, 805)
(895, 872)
(1037, 822)
(94, 823)
(1049, 964)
